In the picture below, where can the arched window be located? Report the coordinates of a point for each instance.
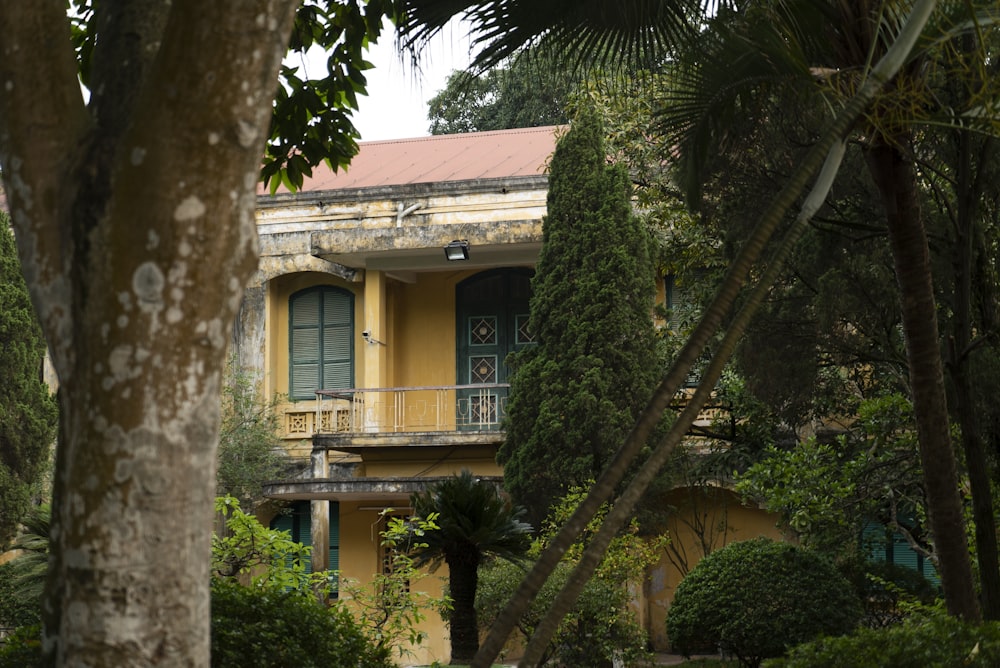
(320, 341)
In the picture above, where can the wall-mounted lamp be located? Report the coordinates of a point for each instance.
(457, 250)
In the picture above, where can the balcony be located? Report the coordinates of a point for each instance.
(401, 410)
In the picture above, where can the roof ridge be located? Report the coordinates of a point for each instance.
(461, 135)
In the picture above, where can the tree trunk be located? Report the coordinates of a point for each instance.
(134, 221)
(463, 579)
(896, 181)
(969, 188)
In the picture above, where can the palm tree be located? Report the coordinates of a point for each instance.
(474, 523)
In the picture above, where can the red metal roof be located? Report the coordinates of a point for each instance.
(458, 157)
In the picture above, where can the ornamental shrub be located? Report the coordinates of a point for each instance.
(273, 628)
(931, 641)
(755, 599)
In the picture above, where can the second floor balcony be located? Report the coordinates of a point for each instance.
(398, 410)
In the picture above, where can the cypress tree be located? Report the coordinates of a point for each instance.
(576, 393)
(27, 409)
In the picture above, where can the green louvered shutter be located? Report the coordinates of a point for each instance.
(338, 340)
(334, 535)
(304, 349)
(321, 341)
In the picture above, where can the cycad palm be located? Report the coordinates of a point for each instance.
(30, 567)
(474, 522)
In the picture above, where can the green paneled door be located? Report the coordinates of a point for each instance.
(492, 321)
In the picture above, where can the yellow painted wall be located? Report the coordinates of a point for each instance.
(359, 560)
(424, 350)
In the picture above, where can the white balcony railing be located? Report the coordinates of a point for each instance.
(404, 409)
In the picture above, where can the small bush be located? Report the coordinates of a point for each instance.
(754, 599)
(271, 628)
(934, 641)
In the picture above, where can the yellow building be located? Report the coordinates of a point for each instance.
(385, 303)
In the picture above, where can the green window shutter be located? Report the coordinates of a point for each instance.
(334, 535)
(304, 311)
(321, 341)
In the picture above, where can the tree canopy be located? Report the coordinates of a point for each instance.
(576, 392)
(524, 92)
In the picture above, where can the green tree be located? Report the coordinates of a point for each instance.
(576, 393)
(522, 93)
(251, 553)
(474, 522)
(757, 598)
(601, 629)
(827, 492)
(28, 411)
(250, 450)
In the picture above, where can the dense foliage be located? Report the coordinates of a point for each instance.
(22, 648)
(272, 628)
(755, 599)
(575, 394)
(22, 579)
(602, 627)
(527, 92)
(889, 593)
(827, 492)
(934, 641)
(250, 451)
(27, 410)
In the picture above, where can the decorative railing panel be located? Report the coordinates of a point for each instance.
(477, 407)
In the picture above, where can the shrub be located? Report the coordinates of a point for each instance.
(934, 641)
(271, 628)
(756, 598)
(599, 629)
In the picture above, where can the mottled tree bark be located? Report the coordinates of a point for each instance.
(134, 221)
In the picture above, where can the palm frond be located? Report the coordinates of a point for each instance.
(606, 33)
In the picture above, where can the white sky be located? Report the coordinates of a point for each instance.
(396, 105)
